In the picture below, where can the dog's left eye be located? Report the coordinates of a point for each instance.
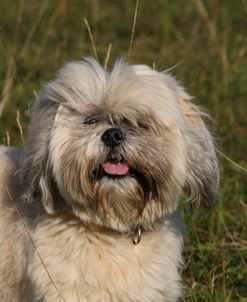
(91, 121)
(143, 125)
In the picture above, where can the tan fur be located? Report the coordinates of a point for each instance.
(67, 228)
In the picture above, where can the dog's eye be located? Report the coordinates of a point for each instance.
(91, 121)
(126, 122)
(143, 125)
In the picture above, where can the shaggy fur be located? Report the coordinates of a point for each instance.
(69, 228)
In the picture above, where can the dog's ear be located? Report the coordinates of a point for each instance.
(39, 183)
(36, 172)
(46, 188)
(202, 179)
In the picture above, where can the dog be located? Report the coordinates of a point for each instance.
(89, 209)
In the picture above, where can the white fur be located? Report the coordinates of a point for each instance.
(93, 266)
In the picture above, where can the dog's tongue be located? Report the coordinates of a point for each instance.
(116, 168)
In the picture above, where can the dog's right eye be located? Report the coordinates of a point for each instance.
(91, 121)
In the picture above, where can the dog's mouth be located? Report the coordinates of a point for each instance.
(118, 168)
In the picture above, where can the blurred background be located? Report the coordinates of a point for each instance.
(204, 42)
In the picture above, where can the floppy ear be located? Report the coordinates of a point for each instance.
(36, 171)
(202, 179)
(38, 183)
(45, 186)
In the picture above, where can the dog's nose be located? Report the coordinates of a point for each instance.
(112, 137)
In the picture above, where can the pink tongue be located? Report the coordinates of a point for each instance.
(116, 168)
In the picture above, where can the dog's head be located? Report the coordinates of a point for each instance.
(118, 148)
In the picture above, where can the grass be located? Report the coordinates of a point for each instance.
(206, 43)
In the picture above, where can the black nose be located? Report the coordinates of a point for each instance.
(112, 137)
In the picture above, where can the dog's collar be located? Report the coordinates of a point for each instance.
(137, 234)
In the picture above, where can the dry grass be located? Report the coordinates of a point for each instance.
(206, 42)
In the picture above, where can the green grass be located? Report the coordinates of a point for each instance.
(206, 42)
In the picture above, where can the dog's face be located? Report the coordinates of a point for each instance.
(119, 148)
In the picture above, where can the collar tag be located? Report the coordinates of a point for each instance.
(137, 235)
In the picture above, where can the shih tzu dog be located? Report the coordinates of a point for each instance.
(89, 209)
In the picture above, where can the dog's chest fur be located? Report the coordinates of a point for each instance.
(91, 266)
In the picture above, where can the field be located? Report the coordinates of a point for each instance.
(205, 45)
